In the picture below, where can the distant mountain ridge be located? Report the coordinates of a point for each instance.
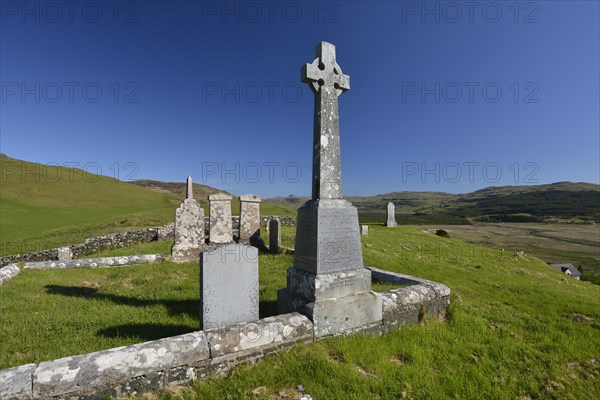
(561, 200)
(201, 193)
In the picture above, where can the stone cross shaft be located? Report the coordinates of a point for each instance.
(327, 81)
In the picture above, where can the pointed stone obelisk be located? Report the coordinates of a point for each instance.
(189, 228)
(328, 281)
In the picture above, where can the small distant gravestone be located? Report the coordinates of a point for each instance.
(221, 230)
(364, 230)
(391, 215)
(65, 254)
(189, 228)
(274, 235)
(228, 285)
(249, 218)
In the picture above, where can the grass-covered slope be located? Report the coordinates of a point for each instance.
(46, 206)
(517, 328)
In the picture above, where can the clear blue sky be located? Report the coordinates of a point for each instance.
(195, 88)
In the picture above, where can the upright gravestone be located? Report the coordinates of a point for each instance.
(189, 228)
(328, 281)
(364, 230)
(220, 230)
(228, 285)
(274, 235)
(65, 254)
(250, 218)
(391, 215)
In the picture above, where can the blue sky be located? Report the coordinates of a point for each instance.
(445, 96)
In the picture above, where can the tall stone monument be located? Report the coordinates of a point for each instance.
(391, 215)
(220, 230)
(274, 235)
(250, 218)
(328, 281)
(189, 228)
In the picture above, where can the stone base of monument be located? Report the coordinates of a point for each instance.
(182, 254)
(337, 302)
(337, 315)
(228, 285)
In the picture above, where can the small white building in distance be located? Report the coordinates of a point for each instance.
(568, 269)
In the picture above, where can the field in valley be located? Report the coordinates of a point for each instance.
(578, 244)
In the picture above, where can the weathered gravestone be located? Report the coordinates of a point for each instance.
(364, 230)
(274, 235)
(328, 281)
(65, 254)
(220, 230)
(391, 215)
(250, 219)
(228, 285)
(189, 228)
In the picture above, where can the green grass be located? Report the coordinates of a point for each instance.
(515, 327)
(44, 207)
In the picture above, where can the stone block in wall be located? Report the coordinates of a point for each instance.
(8, 272)
(16, 383)
(122, 369)
(232, 344)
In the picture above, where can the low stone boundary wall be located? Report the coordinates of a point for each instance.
(153, 365)
(8, 272)
(288, 220)
(91, 245)
(96, 262)
(410, 304)
(182, 359)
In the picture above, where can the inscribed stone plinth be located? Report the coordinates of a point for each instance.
(249, 218)
(328, 282)
(274, 235)
(189, 228)
(327, 237)
(221, 230)
(391, 215)
(228, 285)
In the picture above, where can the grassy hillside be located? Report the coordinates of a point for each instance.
(517, 328)
(46, 206)
(563, 199)
(201, 193)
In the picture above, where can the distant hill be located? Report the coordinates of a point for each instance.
(201, 193)
(519, 203)
(48, 206)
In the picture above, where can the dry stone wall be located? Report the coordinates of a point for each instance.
(91, 245)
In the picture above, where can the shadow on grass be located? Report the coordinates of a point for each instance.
(144, 331)
(174, 307)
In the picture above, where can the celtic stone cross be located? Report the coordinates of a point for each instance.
(327, 81)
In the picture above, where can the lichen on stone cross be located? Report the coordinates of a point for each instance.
(189, 191)
(327, 81)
